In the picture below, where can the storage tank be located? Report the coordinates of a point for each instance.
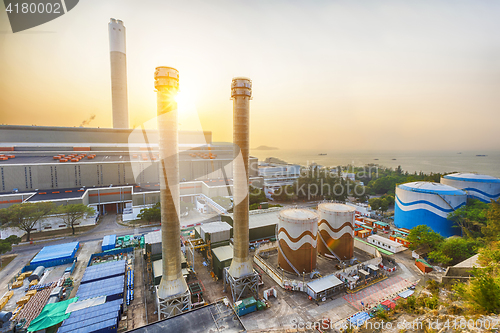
(335, 230)
(297, 234)
(428, 203)
(481, 187)
(37, 274)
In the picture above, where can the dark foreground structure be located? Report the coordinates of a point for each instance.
(216, 317)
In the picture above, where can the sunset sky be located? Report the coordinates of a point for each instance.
(416, 75)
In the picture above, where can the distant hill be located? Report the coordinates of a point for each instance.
(265, 148)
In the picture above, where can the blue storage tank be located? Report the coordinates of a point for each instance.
(428, 203)
(481, 187)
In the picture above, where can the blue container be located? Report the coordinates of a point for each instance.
(108, 243)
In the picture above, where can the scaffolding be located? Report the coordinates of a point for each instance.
(196, 244)
(174, 305)
(241, 286)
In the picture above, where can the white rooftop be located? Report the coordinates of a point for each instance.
(324, 283)
(336, 207)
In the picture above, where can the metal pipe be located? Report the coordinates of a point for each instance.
(241, 93)
(167, 85)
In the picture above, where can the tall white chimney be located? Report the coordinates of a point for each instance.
(118, 73)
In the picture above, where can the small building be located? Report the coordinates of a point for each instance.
(325, 287)
(153, 242)
(364, 233)
(55, 255)
(215, 232)
(369, 221)
(222, 257)
(423, 265)
(357, 230)
(400, 240)
(108, 242)
(381, 225)
(158, 269)
(386, 244)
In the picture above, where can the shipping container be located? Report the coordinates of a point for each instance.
(108, 242)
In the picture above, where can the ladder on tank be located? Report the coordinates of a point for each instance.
(324, 243)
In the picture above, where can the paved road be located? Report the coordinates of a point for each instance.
(107, 226)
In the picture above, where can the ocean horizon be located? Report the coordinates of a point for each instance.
(415, 161)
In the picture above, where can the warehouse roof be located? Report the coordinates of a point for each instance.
(103, 271)
(153, 237)
(324, 283)
(215, 227)
(432, 188)
(472, 177)
(56, 252)
(223, 253)
(384, 240)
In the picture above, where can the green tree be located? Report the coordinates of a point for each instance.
(492, 228)
(6, 245)
(284, 193)
(152, 214)
(256, 195)
(471, 218)
(483, 291)
(71, 213)
(424, 235)
(25, 216)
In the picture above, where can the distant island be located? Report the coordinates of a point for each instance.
(265, 148)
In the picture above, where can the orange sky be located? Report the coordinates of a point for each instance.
(326, 74)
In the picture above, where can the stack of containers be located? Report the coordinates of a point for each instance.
(130, 286)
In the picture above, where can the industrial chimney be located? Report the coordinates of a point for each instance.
(173, 291)
(241, 93)
(118, 73)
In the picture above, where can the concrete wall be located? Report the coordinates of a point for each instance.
(366, 248)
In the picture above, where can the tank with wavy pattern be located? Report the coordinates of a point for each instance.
(335, 230)
(297, 233)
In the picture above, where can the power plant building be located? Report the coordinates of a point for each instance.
(428, 203)
(297, 240)
(336, 230)
(481, 187)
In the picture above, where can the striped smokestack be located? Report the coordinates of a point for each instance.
(167, 85)
(118, 73)
(241, 93)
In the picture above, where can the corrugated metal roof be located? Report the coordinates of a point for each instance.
(406, 293)
(153, 237)
(223, 253)
(56, 252)
(213, 227)
(324, 283)
(359, 318)
(103, 271)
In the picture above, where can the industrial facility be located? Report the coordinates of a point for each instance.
(480, 187)
(428, 203)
